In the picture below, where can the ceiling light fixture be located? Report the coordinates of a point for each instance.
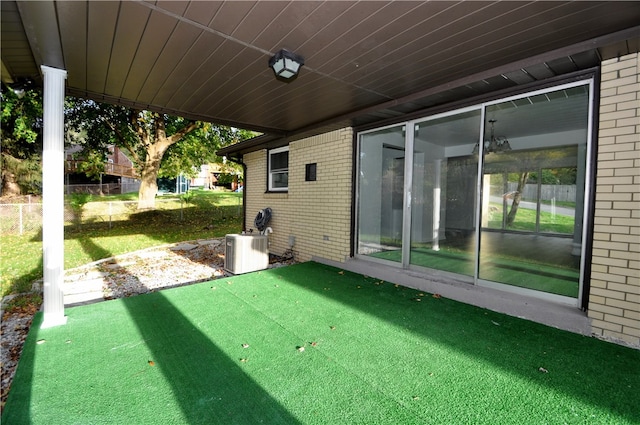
(494, 144)
(286, 65)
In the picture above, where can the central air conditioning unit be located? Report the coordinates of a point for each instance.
(246, 253)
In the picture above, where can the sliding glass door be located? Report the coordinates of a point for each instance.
(495, 192)
(381, 193)
(444, 192)
(531, 228)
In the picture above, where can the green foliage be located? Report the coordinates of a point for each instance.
(21, 134)
(188, 197)
(78, 200)
(77, 203)
(91, 162)
(199, 148)
(225, 179)
(159, 145)
(556, 176)
(97, 126)
(21, 122)
(25, 173)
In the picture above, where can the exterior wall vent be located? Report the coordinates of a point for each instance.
(246, 253)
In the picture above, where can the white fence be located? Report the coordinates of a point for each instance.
(548, 192)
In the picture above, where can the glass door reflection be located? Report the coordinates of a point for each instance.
(529, 238)
(381, 193)
(444, 193)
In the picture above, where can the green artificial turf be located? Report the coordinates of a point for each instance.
(374, 353)
(540, 277)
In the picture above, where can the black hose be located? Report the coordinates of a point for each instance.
(262, 219)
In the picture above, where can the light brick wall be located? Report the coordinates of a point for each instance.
(318, 213)
(614, 302)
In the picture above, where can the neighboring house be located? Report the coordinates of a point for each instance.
(410, 197)
(213, 175)
(119, 174)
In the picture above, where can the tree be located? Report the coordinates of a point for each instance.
(21, 142)
(157, 144)
(517, 197)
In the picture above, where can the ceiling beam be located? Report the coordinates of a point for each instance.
(40, 23)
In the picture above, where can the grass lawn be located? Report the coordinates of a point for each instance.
(210, 214)
(526, 221)
(311, 344)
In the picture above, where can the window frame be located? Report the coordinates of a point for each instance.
(271, 173)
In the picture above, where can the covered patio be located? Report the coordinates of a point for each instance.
(323, 345)
(365, 64)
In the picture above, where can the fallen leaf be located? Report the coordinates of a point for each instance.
(437, 296)
(151, 363)
(313, 344)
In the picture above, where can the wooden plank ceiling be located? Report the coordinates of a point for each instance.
(364, 60)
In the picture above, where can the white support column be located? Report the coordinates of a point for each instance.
(53, 196)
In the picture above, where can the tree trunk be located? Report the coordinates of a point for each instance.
(148, 181)
(147, 192)
(10, 185)
(517, 197)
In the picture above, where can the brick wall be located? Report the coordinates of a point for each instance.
(614, 302)
(316, 213)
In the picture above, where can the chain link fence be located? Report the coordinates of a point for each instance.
(103, 189)
(18, 219)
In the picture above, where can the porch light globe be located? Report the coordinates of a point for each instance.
(286, 64)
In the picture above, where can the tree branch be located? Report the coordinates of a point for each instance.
(191, 125)
(122, 139)
(138, 128)
(160, 129)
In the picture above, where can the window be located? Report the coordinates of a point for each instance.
(310, 172)
(279, 169)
